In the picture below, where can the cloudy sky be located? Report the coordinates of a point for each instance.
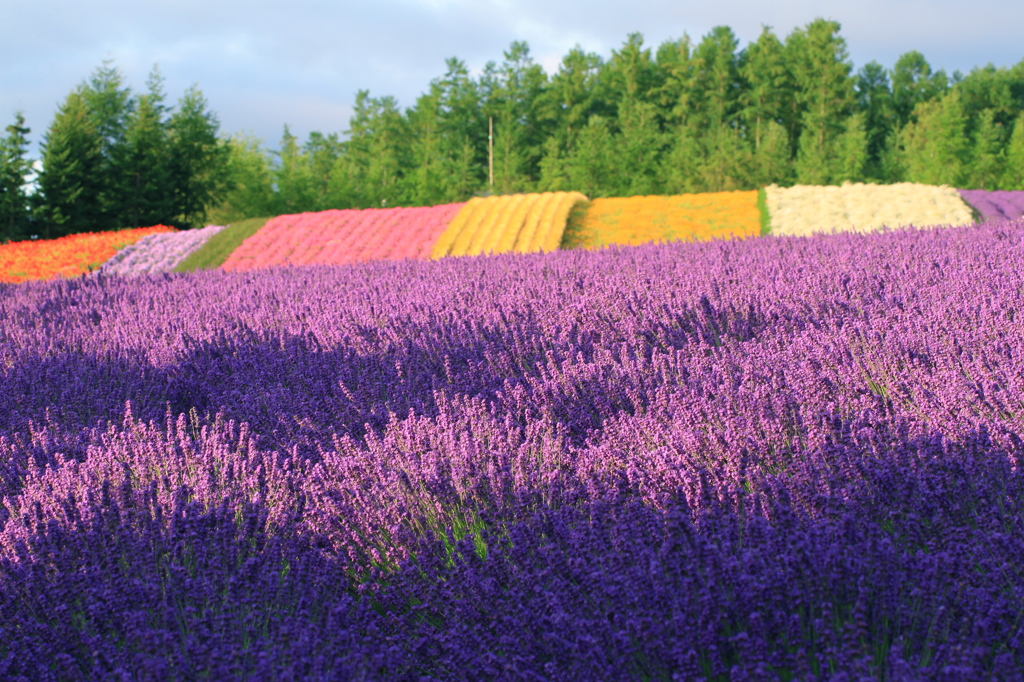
(264, 63)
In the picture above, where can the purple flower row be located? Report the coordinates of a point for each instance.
(158, 252)
(795, 458)
(995, 204)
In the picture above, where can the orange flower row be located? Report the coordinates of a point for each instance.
(67, 256)
(685, 217)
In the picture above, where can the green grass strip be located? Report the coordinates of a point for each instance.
(216, 250)
(573, 237)
(762, 206)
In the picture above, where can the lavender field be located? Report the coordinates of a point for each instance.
(787, 458)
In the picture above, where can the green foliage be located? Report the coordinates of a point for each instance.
(69, 185)
(14, 172)
(197, 159)
(217, 248)
(1013, 176)
(762, 207)
(686, 116)
(935, 147)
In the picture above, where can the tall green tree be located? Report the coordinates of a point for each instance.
(110, 105)
(638, 148)
(985, 170)
(15, 167)
(821, 68)
(850, 161)
(874, 101)
(716, 85)
(591, 165)
(377, 153)
(935, 148)
(198, 159)
(914, 82)
(138, 191)
(293, 177)
(1013, 175)
(249, 186)
(512, 97)
(69, 184)
(767, 86)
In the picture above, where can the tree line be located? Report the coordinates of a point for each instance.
(687, 116)
(113, 159)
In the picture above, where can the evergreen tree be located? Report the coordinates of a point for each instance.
(874, 100)
(110, 105)
(138, 192)
(14, 171)
(674, 94)
(68, 195)
(376, 155)
(631, 74)
(727, 160)
(682, 165)
(821, 68)
(851, 159)
(935, 147)
(198, 159)
(772, 163)
(912, 83)
(293, 177)
(512, 97)
(716, 85)
(1013, 175)
(592, 163)
(569, 100)
(768, 84)
(249, 188)
(987, 153)
(638, 150)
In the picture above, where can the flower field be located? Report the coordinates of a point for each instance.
(161, 252)
(337, 237)
(685, 217)
(995, 205)
(67, 256)
(757, 459)
(857, 207)
(515, 223)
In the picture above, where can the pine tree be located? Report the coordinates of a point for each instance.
(821, 68)
(638, 150)
(772, 163)
(987, 153)
(197, 159)
(913, 82)
(376, 153)
(249, 190)
(851, 159)
(874, 100)
(14, 171)
(934, 145)
(767, 84)
(681, 167)
(140, 178)
(592, 163)
(292, 177)
(68, 196)
(1013, 175)
(110, 105)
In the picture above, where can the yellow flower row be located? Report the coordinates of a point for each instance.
(515, 223)
(684, 217)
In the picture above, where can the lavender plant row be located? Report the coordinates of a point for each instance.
(158, 252)
(995, 204)
(790, 458)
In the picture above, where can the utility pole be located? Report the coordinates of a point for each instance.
(490, 151)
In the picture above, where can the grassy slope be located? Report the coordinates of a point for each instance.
(762, 205)
(214, 252)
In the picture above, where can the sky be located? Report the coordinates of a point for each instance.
(262, 64)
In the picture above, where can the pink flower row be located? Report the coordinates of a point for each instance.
(336, 237)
